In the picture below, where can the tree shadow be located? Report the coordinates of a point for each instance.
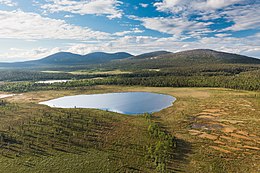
(180, 156)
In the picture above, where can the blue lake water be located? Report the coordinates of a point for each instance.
(125, 103)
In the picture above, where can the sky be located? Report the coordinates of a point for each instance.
(33, 29)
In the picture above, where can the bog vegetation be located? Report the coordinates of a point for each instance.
(50, 131)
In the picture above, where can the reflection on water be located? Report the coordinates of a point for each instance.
(125, 103)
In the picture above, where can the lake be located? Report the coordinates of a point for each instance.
(125, 103)
(53, 81)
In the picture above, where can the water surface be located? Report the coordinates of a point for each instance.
(125, 103)
(53, 81)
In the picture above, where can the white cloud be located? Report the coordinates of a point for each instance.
(22, 25)
(244, 17)
(133, 31)
(221, 3)
(83, 49)
(132, 44)
(108, 8)
(17, 54)
(214, 4)
(253, 52)
(144, 5)
(222, 35)
(176, 6)
(124, 41)
(181, 22)
(9, 3)
(68, 16)
(171, 6)
(174, 25)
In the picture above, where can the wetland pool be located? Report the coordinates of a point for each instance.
(125, 103)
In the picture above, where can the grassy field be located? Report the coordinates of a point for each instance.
(217, 130)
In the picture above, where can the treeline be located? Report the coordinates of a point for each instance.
(242, 82)
(18, 87)
(234, 82)
(24, 75)
(235, 79)
(199, 70)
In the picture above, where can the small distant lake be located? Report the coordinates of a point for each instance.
(125, 103)
(53, 81)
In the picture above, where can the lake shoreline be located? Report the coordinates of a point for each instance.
(130, 103)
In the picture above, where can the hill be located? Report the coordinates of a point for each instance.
(66, 58)
(121, 60)
(151, 54)
(70, 59)
(197, 57)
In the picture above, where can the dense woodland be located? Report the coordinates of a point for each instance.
(29, 75)
(249, 80)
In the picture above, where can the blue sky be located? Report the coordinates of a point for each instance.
(33, 29)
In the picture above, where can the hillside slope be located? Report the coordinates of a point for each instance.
(70, 59)
(197, 57)
(66, 58)
(151, 54)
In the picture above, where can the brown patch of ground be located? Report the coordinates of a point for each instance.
(242, 132)
(234, 148)
(208, 136)
(220, 149)
(228, 129)
(250, 147)
(205, 117)
(229, 139)
(194, 132)
(212, 110)
(219, 142)
(240, 136)
(217, 114)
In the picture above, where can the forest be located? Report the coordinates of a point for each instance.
(244, 77)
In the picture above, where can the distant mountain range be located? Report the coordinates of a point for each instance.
(70, 59)
(148, 60)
